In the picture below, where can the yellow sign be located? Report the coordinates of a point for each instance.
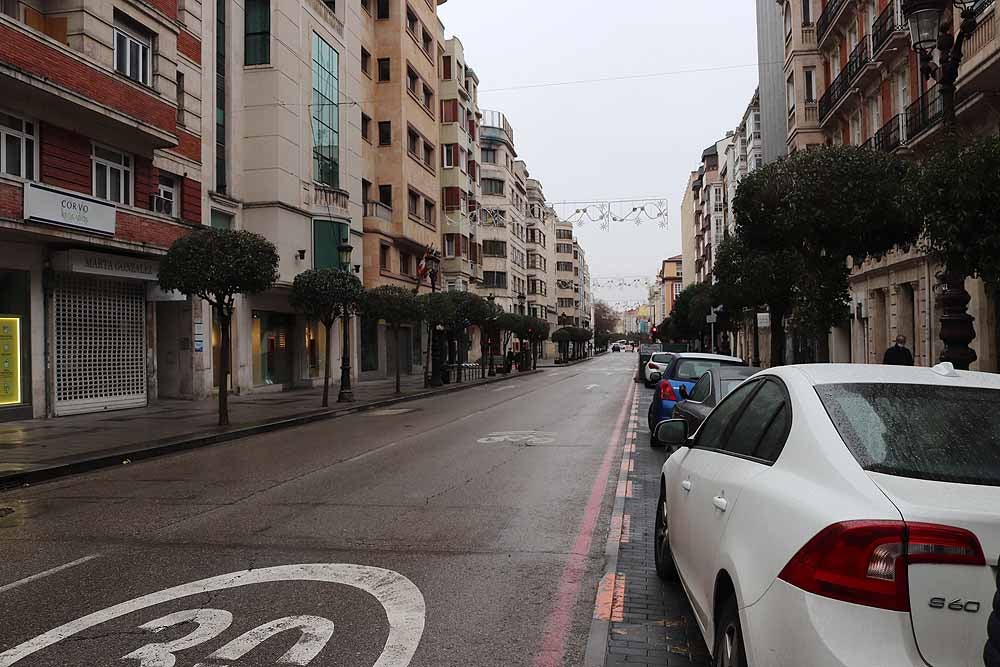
(10, 357)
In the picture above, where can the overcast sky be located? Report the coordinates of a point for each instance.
(635, 138)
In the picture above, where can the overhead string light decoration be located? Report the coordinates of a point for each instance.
(604, 213)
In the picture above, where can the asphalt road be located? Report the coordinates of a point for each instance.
(428, 530)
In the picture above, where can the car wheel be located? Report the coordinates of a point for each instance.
(730, 650)
(664, 559)
(651, 421)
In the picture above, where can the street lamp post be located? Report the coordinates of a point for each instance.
(346, 394)
(926, 33)
(493, 318)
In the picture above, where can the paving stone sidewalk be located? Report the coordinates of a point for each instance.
(652, 622)
(42, 444)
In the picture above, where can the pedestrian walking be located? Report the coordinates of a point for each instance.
(898, 354)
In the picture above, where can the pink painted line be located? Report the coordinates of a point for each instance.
(557, 626)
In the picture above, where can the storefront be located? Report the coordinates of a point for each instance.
(15, 357)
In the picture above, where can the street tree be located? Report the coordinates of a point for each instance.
(215, 265)
(691, 307)
(326, 295)
(508, 324)
(479, 312)
(438, 309)
(397, 306)
(800, 220)
(956, 198)
(538, 334)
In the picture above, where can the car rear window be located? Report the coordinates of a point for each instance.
(949, 434)
(692, 369)
(662, 358)
(729, 385)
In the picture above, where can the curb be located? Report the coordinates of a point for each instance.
(182, 443)
(600, 624)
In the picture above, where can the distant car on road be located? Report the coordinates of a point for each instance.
(616, 348)
(823, 516)
(684, 370)
(708, 391)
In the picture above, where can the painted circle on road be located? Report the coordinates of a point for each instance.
(527, 438)
(401, 599)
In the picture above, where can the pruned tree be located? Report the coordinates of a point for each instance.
(216, 265)
(438, 309)
(397, 306)
(326, 295)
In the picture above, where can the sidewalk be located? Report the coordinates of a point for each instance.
(38, 449)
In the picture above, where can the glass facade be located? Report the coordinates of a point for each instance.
(15, 327)
(316, 350)
(271, 340)
(220, 96)
(328, 236)
(325, 113)
(257, 32)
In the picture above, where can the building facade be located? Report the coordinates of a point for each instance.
(803, 71)
(771, 79)
(101, 123)
(541, 248)
(874, 96)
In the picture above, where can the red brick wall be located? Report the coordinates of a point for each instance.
(11, 201)
(37, 57)
(189, 45)
(191, 201)
(65, 159)
(145, 181)
(189, 146)
(135, 228)
(168, 7)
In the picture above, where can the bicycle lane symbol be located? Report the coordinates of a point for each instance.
(401, 599)
(525, 438)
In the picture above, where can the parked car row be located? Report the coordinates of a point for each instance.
(833, 514)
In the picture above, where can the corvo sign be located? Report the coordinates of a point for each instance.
(67, 209)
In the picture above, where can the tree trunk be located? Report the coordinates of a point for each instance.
(226, 323)
(427, 357)
(399, 357)
(326, 365)
(777, 337)
(823, 349)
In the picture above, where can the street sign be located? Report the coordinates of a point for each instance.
(764, 320)
(711, 319)
(650, 348)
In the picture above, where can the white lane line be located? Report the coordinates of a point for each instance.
(40, 575)
(505, 388)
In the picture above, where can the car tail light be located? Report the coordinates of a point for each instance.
(667, 392)
(653, 367)
(865, 562)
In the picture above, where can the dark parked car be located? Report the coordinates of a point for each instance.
(711, 388)
(616, 348)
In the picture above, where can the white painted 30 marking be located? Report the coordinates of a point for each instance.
(401, 599)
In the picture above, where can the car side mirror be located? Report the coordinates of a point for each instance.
(672, 432)
(684, 393)
(655, 377)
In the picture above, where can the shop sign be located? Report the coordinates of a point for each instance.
(68, 209)
(103, 264)
(10, 357)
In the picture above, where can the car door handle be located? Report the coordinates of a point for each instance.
(686, 485)
(720, 503)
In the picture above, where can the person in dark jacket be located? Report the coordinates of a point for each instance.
(898, 355)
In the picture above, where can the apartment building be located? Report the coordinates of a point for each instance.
(771, 79)
(876, 97)
(690, 221)
(671, 282)
(710, 206)
(583, 313)
(541, 248)
(501, 215)
(742, 156)
(804, 70)
(566, 273)
(101, 123)
(460, 159)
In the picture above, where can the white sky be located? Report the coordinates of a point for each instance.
(627, 139)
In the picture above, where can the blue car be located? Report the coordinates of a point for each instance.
(683, 372)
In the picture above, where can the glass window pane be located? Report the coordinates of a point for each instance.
(711, 432)
(756, 419)
(101, 181)
(29, 159)
(133, 60)
(121, 53)
(11, 122)
(127, 188)
(12, 161)
(115, 183)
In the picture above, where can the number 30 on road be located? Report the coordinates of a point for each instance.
(401, 599)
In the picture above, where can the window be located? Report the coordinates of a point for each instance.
(494, 248)
(564, 266)
(856, 129)
(132, 54)
(493, 186)
(220, 97)
(428, 155)
(17, 146)
(112, 173)
(384, 133)
(790, 93)
(702, 389)
(411, 22)
(366, 127)
(449, 245)
(788, 20)
(806, 12)
(489, 155)
(385, 195)
(564, 248)
(430, 214)
(383, 257)
(413, 142)
(328, 236)
(366, 62)
(449, 111)
(164, 201)
(412, 80)
(448, 155)
(257, 32)
(221, 220)
(180, 98)
(427, 41)
(413, 203)
(711, 434)
(564, 234)
(764, 408)
(331, 4)
(325, 113)
(810, 82)
(384, 69)
(497, 279)
(428, 98)
(406, 264)
(366, 5)
(382, 9)
(566, 303)
(446, 68)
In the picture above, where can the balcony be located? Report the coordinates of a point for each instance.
(889, 28)
(333, 199)
(840, 88)
(47, 79)
(890, 136)
(810, 111)
(378, 210)
(829, 18)
(808, 35)
(925, 113)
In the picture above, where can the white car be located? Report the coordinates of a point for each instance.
(842, 515)
(658, 363)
